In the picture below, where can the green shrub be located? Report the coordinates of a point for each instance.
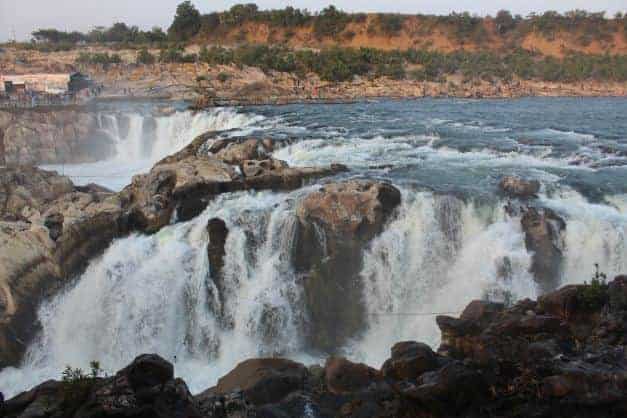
(145, 57)
(595, 295)
(330, 22)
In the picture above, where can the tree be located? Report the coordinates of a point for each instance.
(504, 21)
(186, 22)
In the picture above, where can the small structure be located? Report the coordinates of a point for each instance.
(44, 83)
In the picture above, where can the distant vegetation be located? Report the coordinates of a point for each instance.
(341, 64)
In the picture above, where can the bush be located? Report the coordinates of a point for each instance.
(595, 295)
(330, 22)
(145, 57)
(223, 77)
(186, 22)
(390, 24)
(76, 385)
(98, 58)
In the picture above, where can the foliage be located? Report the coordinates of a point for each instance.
(505, 22)
(145, 57)
(330, 22)
(390, 24)
(76, 384)
(186, 22)
(223, 77)
(595, 295)
(98, 58)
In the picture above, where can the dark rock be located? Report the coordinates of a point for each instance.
(409, 360)
(335, 224)
(264, 381)
(54, 223)
(543, 236)
(343, 376)
(148, 370)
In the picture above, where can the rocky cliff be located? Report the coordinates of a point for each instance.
(52, 137)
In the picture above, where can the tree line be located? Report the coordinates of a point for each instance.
(344, 64)
(189, 23)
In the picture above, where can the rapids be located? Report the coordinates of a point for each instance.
(450, 241)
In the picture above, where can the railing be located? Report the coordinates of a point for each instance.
(32, 101)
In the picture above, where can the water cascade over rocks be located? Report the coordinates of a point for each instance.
(348, 266)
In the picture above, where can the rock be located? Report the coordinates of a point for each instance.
(516, 187)
(409, 360)
(54, 223)
(264, 381)
(452, 388)
(237, 152)
(27, 191)
(145, 388)
(335, 223)
(543, 236)
(252, 168)
(27, 273)
(148, 370)
(53, 137)
(343, 376)
(150, 199)
(218, 233)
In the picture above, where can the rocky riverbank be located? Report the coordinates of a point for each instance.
(560, 356)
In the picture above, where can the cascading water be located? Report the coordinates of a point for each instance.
(155, 294)
(142, 140)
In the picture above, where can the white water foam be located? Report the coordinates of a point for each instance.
(149, 139)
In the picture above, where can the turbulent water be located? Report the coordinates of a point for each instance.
(450, 242)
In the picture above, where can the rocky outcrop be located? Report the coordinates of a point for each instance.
(562, 356)
(543, 236)
(146, 388)
(516, 187)
(264, 381)
(334, 225)
(218, 233)
(53, 136)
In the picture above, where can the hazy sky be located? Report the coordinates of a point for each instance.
(24, 16)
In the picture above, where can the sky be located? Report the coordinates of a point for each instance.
(25, 16)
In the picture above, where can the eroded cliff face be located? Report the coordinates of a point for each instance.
(52, 137)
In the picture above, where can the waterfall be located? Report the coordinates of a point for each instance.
(142, 140)
(154, 293)
(438, 255)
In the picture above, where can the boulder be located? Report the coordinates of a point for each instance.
(264, 381)
(455, 387)
(543, 230)
(516, 187)
(27, 191)
(343, 376)
(409, 360)
(235, 152)
(335, 223)
(218, 233)
(145, 388)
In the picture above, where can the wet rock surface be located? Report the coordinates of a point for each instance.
(335, 223)
(562, 356)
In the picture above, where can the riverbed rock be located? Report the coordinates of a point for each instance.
(543, 230)
(517, 187)
(342, 376)
(26, 191)
(264, 381)
(409, 360)
(335, 223)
